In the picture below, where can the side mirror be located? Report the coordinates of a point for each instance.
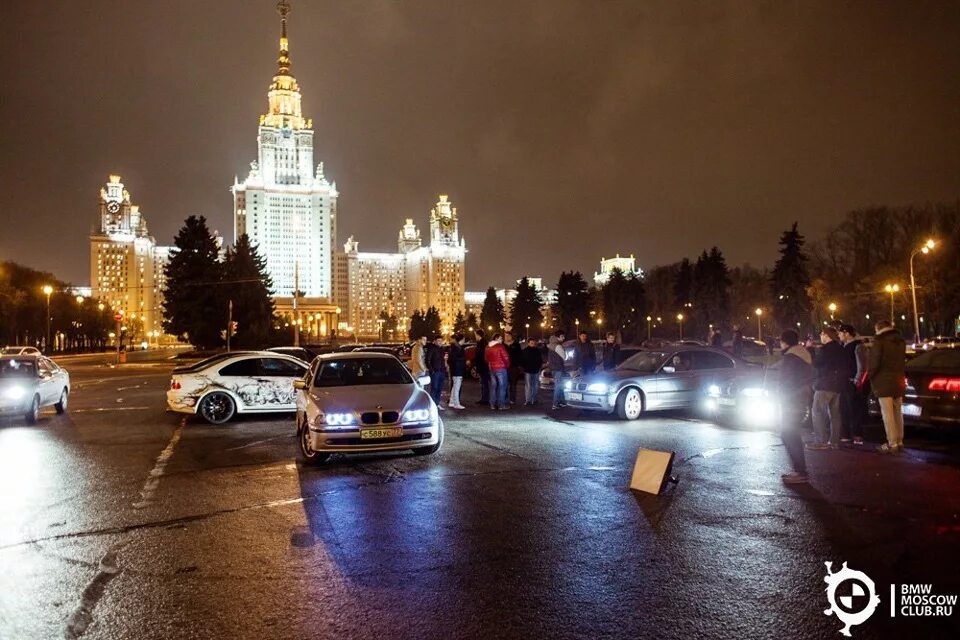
(300, 385)
(423, 381)
(669, 369)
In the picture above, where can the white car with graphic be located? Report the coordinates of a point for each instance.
(364, 402)
(220, 387)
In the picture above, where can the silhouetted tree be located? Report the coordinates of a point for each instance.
(573, 301)
(525, 308)
(249, 286)
(790, 281)
(193, 307)
(492, 314)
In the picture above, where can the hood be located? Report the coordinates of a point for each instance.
(392, 397)
(801, 352)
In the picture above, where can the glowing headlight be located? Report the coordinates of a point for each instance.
(338, 419)
(713, 390)
(14, 393)
(416, 415)
(568, 385)
(597, 387)
(754, 392)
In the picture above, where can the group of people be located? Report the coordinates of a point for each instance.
(502, 361)
(841, 372)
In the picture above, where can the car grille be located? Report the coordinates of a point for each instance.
(581, 387)
(379, 417)
(410, 437)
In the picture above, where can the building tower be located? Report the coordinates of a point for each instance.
(286, 205)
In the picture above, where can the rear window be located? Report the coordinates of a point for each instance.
(941, 359)
(250, 367)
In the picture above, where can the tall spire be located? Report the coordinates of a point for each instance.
(283, 62)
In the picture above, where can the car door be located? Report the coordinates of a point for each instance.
(676, 381)
(47, 382)
(241, 377)
(276, 380)
(711, 368)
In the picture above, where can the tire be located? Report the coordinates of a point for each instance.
(33, 413)
(630, 404)
(217, 407)
(307, 452)
(61, 406)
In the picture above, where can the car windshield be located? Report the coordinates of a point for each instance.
(361, 371)
(643, 361)
(940, 359)
(13, 368)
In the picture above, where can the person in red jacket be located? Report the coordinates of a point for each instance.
(499, 362)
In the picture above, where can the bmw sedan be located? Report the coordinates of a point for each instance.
(29, 383)
(678, 377)
(361, 403)
(220, 387)
(933, 388)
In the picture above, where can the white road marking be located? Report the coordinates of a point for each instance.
(99, 409)
(153, 479)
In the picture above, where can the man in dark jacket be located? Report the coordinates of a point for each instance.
(853, 400)
(610, 351)
(515, 372)
(585, 358)
(531, 361)
(480, 364)
(736, 344)
(831, 379)
(796, 375)
(437, 366)
(457, 361)
(886, 369)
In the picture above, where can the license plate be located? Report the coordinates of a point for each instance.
(912, 410)
(376, 434)
(576, 397)
(727, 402)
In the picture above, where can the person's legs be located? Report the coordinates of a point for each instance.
(484, 387)
(820, 417)
(898, 420)
(790, 420)
(836, 419)
(502, 389)
(847, 407)
(532, 387)
(887, 413)
(437, 380)
(455, 392)
(558, 379)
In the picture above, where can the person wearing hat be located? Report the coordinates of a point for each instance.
(853, 400)
(830, 365)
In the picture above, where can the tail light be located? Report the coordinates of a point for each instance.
(175, 384)
(950, 385)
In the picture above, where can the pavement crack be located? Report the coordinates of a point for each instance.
(107, 570)
(494, 447)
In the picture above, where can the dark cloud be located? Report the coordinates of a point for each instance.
(563, 131)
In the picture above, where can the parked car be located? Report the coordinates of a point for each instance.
(301, 353)
(364, 402)
(21, 351)
(546, 375)
(933, 388)
(677, 378)
(393, 351)
(239, 382)
(29, 383)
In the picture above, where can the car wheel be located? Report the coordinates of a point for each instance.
(630, 404)
(310, 456)
(217, 407)
(61, 406)
(34, 412)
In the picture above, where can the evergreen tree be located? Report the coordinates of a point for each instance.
(473, 323)
(194, 309)
(790, 281)
(711, 291)
(525, 308)
(431, 323)
(683, 286)
(622, 300)
(492, 314)
(460, 323)
(417, 326)
(573, 301)
(248, 285)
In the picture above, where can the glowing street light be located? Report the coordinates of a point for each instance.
(680, 322)
(759, 313)
(833, 309)
(892, 289)
(925, 249)
(649, 326)
(599, 325)
(47, 290)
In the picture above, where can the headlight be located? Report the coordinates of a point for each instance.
(14, 393)
(568, 385)
(598, 387)
(338, 419)
(416, 415)
(754, 392)
(713, 390)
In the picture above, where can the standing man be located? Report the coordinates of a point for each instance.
(736, 346)
(853, 400)
(438, 370)
(610, 352)
(515, 372)
(831, 378)
(585, 357)
(532, 361)
(796, 374)
(886, 369)
(480, 364)
(498, 360)
(457, 360)
(418, 357)
(557, 361)
(716, 340)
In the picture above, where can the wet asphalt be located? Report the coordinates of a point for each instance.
(120, 520)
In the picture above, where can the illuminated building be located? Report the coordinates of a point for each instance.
(416, 277)
(607, 265)
(285, 205)
(126, 264)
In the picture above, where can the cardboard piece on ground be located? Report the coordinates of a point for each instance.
(651, 470)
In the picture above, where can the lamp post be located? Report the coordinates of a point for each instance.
(527, 327)
(47, 290)
(892, 289)
(925, 249)
(759, 313)
(833, 309)
(599, 329)
(680, 322)
(649, 327)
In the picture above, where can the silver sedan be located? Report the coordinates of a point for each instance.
(680, 377)
(364, 402)
(29, 383)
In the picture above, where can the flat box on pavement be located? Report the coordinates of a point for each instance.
(651, 470)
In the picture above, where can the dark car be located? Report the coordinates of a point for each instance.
(303, 353)
(933, 388)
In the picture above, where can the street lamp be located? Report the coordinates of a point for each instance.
(649, 326)
(892, 289)
(527, 326)
(925, 249)
(599, 331)
(833, 309)
(47, 290)
(759, 313)
(680, 322)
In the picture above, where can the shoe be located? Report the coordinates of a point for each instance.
(456, 406)
(794, 478)
(845, 440)
(887, 449)
(555, 407)
(858, 440)
(818, 446)
(504, 408)
(440, 407)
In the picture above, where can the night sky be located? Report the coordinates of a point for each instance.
(563, 131)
